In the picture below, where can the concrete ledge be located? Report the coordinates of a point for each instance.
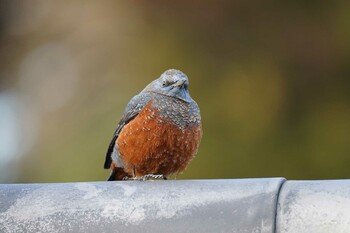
(314, 206)
(242, 205)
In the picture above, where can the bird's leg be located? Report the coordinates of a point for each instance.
(152, 177)
(145, 177)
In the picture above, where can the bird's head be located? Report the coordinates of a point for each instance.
(171, 83)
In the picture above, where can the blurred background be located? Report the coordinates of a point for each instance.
(272, 79)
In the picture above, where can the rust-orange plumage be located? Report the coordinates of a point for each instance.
(159, 133)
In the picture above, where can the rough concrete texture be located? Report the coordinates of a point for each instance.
(314, 207)
(242, 205)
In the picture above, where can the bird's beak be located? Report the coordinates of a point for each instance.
(179, 83)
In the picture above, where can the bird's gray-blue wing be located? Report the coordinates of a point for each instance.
(132, 109)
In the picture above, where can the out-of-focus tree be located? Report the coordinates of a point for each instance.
(271, 79)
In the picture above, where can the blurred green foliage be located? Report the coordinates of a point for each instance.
(271, 79)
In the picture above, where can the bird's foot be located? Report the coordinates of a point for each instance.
(153, 177)
(147, 177)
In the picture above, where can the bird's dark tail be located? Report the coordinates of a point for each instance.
(118, 173)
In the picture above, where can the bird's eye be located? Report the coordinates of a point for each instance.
(168, 83)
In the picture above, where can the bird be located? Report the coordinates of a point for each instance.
(159, 132)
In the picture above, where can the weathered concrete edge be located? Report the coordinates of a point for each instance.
(295, 191)
(283, 182)
(307, 206)
(232, 204)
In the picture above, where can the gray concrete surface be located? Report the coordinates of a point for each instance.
(314, 207)
(241, 205)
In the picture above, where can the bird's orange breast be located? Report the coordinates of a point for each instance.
(151, 144)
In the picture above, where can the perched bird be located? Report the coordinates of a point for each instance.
(159, 132)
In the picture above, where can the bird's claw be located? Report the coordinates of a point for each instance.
(152, 177)
(147, 177)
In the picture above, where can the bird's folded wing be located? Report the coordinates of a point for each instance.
(134, 107)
